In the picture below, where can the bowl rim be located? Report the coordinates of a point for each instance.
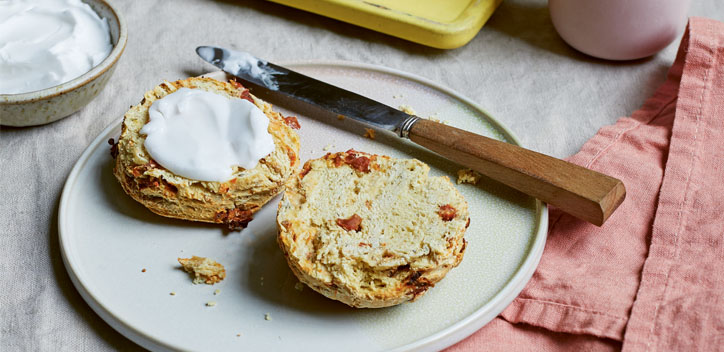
(95, 72)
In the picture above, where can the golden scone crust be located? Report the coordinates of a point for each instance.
(369, 230)
(232, 202)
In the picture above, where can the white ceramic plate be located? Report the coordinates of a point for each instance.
(107, 239)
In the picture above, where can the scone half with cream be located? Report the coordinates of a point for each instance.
(369, 230)
(205, 150)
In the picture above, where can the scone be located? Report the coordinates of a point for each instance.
(231, 202)
(369, 230)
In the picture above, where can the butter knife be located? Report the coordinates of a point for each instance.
(581, 192)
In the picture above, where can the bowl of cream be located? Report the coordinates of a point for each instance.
(55, 57)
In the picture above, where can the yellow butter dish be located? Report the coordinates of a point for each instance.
(444, 24)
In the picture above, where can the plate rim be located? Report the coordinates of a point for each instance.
(436, 341)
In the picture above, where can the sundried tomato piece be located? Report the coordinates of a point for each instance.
(447, 212)
(338, 160)
(234, 219)
(287, 224)
(236, 84)
(361, 164)
(353, 223)
(417, 283)
(246, 96)
(292, 122)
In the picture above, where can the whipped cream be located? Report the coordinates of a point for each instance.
(202, 135)
(44, 43)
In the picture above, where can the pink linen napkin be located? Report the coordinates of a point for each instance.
(651, 278)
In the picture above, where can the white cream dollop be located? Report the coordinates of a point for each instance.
(202, 135)
(44, 43)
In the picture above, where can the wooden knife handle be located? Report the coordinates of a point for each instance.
(583, 193)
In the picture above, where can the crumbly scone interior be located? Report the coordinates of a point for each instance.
(401, 229)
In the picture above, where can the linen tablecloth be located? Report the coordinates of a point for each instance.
(650, 278)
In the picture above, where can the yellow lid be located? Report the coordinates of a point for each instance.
(444, 24)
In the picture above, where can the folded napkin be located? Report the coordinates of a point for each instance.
(651, 278)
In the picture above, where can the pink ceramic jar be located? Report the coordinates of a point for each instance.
(619, 29)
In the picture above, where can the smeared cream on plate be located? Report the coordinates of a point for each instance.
(236, 61)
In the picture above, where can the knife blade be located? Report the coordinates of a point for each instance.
(307, 89)
(584, 193)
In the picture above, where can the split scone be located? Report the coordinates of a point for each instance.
(231, 202)
(369, 230)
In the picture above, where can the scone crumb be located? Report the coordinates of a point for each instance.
(369, 133)
(172, 293)
(237, 335)
(216, 292)
(340, 117)
(468, 176)
(328, 147)
(114, 147)
(211, 304)
(407, 109)
(437, 120)
(143, 270)
(267, 316)
(205, 270)
(299, 286)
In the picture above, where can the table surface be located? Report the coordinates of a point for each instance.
(517, 68)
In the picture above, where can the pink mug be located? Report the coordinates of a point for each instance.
(619, 29)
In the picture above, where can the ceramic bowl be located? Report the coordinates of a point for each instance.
(54, 103)
(619, 29)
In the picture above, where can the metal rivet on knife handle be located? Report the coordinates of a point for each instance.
(406, 125)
